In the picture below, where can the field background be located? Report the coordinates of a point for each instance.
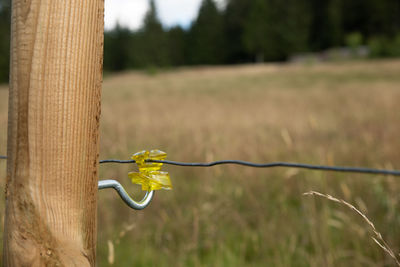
(345, 113)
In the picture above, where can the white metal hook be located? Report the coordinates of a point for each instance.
(104, 184)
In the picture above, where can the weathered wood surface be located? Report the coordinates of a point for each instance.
(54, 109)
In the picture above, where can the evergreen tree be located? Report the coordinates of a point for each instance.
(297, 22)
(177, 49)
(153, 40)
(118, 49)
(326, 24)
(206, 38)
(258, 31)
(235, 17)
(275, 29)
(383, 17)
(356, 17)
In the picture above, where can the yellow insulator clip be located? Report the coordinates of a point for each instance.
(149, 175)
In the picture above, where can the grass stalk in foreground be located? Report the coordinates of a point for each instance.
(378, 239)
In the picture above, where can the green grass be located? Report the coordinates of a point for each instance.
(338, 114)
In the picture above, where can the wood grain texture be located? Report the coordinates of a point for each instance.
(54, 109)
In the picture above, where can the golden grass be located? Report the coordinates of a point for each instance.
(336, 114)
(378, 239)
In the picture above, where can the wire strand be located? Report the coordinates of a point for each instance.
(116, 161)
(283, 164)
(267, 165)
(261, 165)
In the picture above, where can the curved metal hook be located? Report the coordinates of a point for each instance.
(125, 196)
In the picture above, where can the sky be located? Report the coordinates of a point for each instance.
(130, 13)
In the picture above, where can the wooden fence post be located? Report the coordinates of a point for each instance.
(54, 109)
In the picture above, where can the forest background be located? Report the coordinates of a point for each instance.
(246, 31)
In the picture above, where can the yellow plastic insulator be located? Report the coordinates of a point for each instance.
(149, 175)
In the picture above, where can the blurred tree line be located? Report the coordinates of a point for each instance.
(245, 31)
(257, 31)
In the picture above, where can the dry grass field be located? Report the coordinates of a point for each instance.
(337, 114)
